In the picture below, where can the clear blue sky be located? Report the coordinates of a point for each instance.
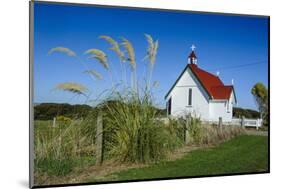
(223, 44)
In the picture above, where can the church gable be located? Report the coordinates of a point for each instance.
(200, 93)
(212, 84)
(189, 80)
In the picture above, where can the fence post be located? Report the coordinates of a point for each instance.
(99, 142)
(54, 122)
(243, 122)
(220, 123)
(258, 124)
(186, 134)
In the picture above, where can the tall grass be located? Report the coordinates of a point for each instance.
(133, 132)
(211, 134)
(151, 56)
(206, 134)
(132, 61)
(116, 48)
(58, 149)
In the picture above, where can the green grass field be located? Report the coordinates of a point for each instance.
(243, 154)
(50, 144)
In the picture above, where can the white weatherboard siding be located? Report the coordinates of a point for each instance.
(203, 107)
(219, 109)
(179, 94)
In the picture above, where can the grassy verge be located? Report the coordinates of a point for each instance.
(242, 154)
(62, 149)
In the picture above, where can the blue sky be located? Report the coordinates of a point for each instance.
(236, 46)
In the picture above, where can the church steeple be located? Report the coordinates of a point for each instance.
(192, 59)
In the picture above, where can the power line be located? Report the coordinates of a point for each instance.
(241, 65)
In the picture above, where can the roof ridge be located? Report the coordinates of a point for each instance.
(208, 81)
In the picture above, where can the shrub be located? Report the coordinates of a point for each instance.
(63, 120)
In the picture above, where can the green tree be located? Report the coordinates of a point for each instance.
(260, 93)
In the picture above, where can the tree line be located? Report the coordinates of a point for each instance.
(47, 111)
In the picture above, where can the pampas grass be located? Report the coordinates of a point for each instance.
(100, 56)
(132, 131)
(151, 56)
(114, 47)
(94, 73)
(132, 61)
(68, 52)
(135, 133)
(96, 52)
(72, 87)
(130, 51)
(102, 59)
(151, 49)
(65, 50)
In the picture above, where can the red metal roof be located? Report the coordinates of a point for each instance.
(212, 84)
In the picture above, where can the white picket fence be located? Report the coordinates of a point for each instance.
(247, 122)
(257, 123)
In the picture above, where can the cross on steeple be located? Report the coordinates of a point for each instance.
(192, 59)
(192, 47)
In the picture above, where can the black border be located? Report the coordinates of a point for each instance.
(31, 62)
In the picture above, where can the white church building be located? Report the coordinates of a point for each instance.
(201, 94)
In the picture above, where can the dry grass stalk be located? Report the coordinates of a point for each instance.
(114, 47)
(62, 50)
(151, 49)
(72, 87)
(132, 61)
(100, 56)
(94, 73)
(156, 84)
(130, 51)
(151, 56)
